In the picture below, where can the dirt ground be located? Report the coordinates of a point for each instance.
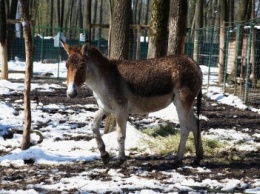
(219, 116)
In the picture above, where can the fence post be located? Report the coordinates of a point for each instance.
(138, 43)
(210, 53)
(59, 52)
(42, 42)
(33, 46)
(238, 48)
(248, 61)
(226, 58)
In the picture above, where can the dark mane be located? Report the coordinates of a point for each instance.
(101, 59)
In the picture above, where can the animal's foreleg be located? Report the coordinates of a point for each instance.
(121, 134)
(95, 128)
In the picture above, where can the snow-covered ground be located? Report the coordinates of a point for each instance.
(52, 152)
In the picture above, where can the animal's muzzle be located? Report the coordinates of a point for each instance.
(72, 91)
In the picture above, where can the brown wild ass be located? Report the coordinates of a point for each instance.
(126, 87)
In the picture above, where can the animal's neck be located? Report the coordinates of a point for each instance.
(98, 57)
(102, 71)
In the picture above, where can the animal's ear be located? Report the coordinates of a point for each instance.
(67, 47)
(85, 48)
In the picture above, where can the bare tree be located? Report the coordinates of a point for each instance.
(60, 12)
(138, 12)
(177, 26)
(51, 14)
(191, 13)
(120, 29)
(222, 33)
(147, 10)
(80, 14)
(242, 13)
(26, 23)
(198, 25)
(100, 18)
(3, 41)
(88, 19)
(94, 19)
(253, 75)
(158, 29)
(231, 12)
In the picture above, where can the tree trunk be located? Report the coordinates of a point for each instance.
(28, 72)
(70, 12)
(3, 42)
(62, 14)
(239, 38)
(11, 27)
(139, 12)
(177, 26)
(191, 14)
(198, 25)
(94, 19)
(146, 17)
(253, 75)
(231, 12)
(120, 29)
(158, 29)
(100, 19)
(80, 14)
(58, 12)
(134, 11)
(111, 5)
(222, 33)
(88, 20)
(51, 17)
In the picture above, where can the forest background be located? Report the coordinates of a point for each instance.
(78, 13)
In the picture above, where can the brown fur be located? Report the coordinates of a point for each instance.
(144, 77)
(126, 87)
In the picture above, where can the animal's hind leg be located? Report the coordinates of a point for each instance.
(121, 119)
(95, 128)
(183, 113)
(188, 122)
(197, 137)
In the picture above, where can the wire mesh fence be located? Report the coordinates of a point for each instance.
(241, 67)
(241, 52)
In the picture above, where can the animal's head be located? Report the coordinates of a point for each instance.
(76, 68)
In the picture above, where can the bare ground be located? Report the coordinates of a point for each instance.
(246, 168)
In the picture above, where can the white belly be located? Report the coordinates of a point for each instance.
(135, 104)
(143, 105)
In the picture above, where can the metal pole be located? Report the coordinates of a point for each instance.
(248, 61)
(59, 54)
(226, 58)
(238, 46)
(210, 53)
(42, 42)
(33, 34)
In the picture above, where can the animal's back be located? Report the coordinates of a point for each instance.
(155, 77)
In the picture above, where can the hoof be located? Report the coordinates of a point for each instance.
(118, 163)
(105, 158)
(196, 162)
(178, 162)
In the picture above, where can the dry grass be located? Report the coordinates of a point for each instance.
(165, 141)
